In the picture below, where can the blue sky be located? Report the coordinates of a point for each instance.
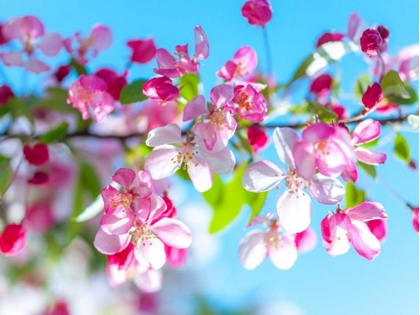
(319, 284)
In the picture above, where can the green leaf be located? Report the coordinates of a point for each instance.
(56, 134)
(18, 108)
(80, 69)
(370, 144)
(413, 120)
(401, 148)
(395, 99)
(392, 84)
(55, 99)
(214, 195)
(369, 169)
(189, 86)
(354, 196)
(323, 112)
(6, 174)
(256, 202)
(133, 92)
(361, 85)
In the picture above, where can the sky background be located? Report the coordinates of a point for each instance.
(317, 284)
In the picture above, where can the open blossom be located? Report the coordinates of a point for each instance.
(323, 147)
(218, 124)
(371, 42)
(29, 30)
(257, 245)
(90, 90)
(12, 239)
(100, 38)
(258, 12)
(161, 90)
(249, 103)
(294, 207)
(172, 152)
(244, 62)
(173, 68)
(348, 227)
(142, 51)
(134, 216)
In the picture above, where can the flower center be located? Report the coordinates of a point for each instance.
(186, 157)
(322, 147)
(218, 119)
(122, 199)
(142, 235)
(294, 181)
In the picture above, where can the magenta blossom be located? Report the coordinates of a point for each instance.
(142, 51)
(170, 67)
(257, 137)
(244, 62)
(329, 37)
(323, 147)
(372, 96)
(249, 104)
(171, 152)
(348, 227)
(29, 30)
(12, 239)
(218, 124)
(371, 42)
(100, 38)
(294, 207)
(258, 12)
(91, 90)
(114, 81)
(321, 85)
(257, 245)
(161, 90)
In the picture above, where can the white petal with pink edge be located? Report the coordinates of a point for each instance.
(366, 211)
(252, 249)
(262, 176)
(283, 254)
(201, 175)
(284, 141)
(159, 163)
(370, 157)
(150, 253)
(110, 244)
(172, 232)
(164, 135)
(364, 241)
(326, 190)
(294, 209)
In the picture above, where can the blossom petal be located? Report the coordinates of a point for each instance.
(150, 254)
(294, 209)
(221, 94)
(370, 157)
(110, 244)
(326, 190)
(366, 131)
(364, 241)
(117, 222)
(12, 59)
(36, 66)
(149, 281)
(262, 176)
(101, 37)
(172, 232)
(159, 163)
(366, 211)
(201, 43)
(195, 108)
(283, 254)
(51, 44)
(206, 131)
(201, 175)
(339, 225)
(334, 162)
(284, 141)
(164, 135)
(124, 177)
(303, 154)
(252, 249)
(221, 162)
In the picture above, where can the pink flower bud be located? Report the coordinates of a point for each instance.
(3, 39)
(62, 72)
(258, 12)
(39, 178)
(372, 96)
(321, 85)
(383, 31)
(161, 89)
(371, 42)
(416, 219)
(5, 94)
(12, 239)
(142, 50)
(329, 37)
(378, 228)
(257, 138)
(37, 155)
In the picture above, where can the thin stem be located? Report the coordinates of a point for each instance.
(11, 181)
(267, 52)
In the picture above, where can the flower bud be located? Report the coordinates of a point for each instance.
(371, 42)
(258, 12)
(372, 96)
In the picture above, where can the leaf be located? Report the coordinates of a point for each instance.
(361, 85)
(18, 108)
(401, 148)
(6, 174)
(354, 196)
(214, 195)
(56, 134)
(189, 86)
(55, 99)
(395, 99)
(256, 202)
(369, 169)
(392, 84)
(370, 144)
(323, 112)
(133, 92)
(80, 69)
(413, 120)
(91, 211)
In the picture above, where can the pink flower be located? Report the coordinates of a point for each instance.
(256, 245)
(39, 217)
(249, 104)
(371, 42)
(294, 207)
(329, 37)
(372, 96)
(29, 30)
(219, 124)
(115, 82)
(161, 90)
(91, 90)
(243, 63)
(321, 85)
(378, 228)
(416, 219)
(36, 155)
(258, 12)
(6, 93)
(171, 152)
(100, 38)
(142, 51)
(170, 67)
(323, 147)
(12, 239)
(348, 227)
(257, 138)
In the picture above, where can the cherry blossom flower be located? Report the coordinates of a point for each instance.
(294, 207)
(323, 147)
(249, 104)
(256, 245)
(161, 90)
(171, 152)
(218, 124)
(258, 12)
(142, 51)
(170, 67)
(91, 90)
(244, 62)
(12, 239)
(100, 38)
(114, 81)
(348, 227)
(29, 30)
(371, 42)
